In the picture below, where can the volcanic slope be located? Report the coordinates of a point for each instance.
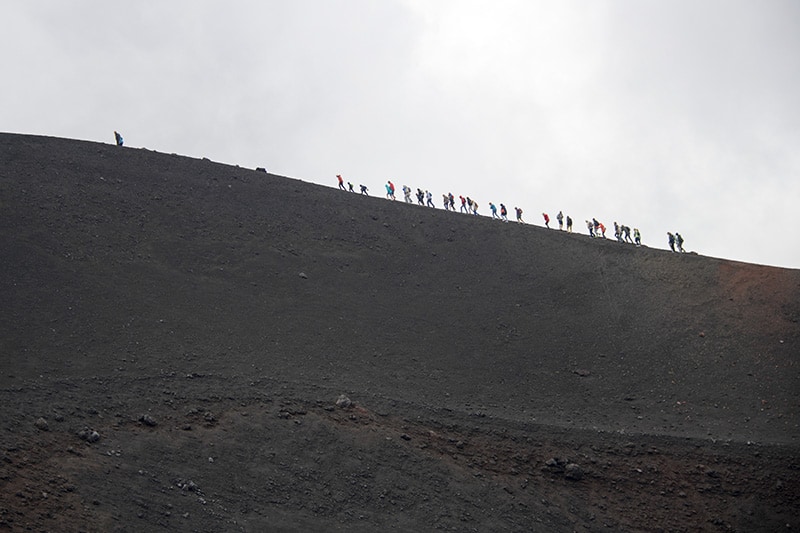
(176, 332)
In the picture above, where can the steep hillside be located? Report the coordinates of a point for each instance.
(204, 319)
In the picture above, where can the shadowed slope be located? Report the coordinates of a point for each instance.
(125, 265)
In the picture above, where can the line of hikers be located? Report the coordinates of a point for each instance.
(596, 229)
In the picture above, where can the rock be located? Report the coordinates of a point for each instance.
(573, 472)
(344, 402)
(89, 435)
(261, 169)
(148, 420)
(582, 372)
(303, 275)
(41, 424)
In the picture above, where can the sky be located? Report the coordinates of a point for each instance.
(680, 116)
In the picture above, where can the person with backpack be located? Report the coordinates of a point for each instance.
(679, 242)
(671, 241)
(519, 215)
(503, 213)
(452, 202)
(407, 193)
(464, 208)
(390, 190)
(364, 189)
(493, 209)
(429, 199)
(546, 220)
(569, 224)
(350, 187)
(341, 181)
(118, 138)
(637, 237)
(560, 218)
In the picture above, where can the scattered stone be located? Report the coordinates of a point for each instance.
(573, 472)
(303, 275)
(702, 334)
(261, 169)
(582, 372)
(344, 402)
(89, 435)
(405, 436)
(41, 424)
(148, 420)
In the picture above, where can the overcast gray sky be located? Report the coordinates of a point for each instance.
(679, 115)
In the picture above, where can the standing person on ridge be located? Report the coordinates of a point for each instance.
(546, 220)
(118, 138)
(671, 240)
(637, 237)
(569, 224)
(590, 227)
(519, 215)
(341, 181)
(560, 218)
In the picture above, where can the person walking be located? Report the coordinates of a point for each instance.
(503, 213)
(637, 237)
(429, 199)
(671, 241)
(407, 193)
(452, 202)
(546, 220)
(627, 231)
(118, 138)
(569, 224)
(390, 190)
(341, 181)
(464, 208)
(679, 242)
(364, 189)
(420, 196)
(560, 218)
(493, 209)
(519, 215)
(446, 202)
(590, 227)
(350, 187)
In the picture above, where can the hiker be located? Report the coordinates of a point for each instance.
(464, 208)
(519, 215)
(474, 208)
(407, 193)
(596, 226)
(627, 231)
(350, 187)
(429, 199)
(617, 232)
(390, 190)
(452, 201)
(637, 237)
(503, 213)
(364, 189)
(546, 220)
(420, 196)
(590, 227)
(560, 218)
(602, 229)
(446, 202)
(118, 138)
(493, 209)
(569, 224)
(341, 181)
(679, 242)
(671, 240)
